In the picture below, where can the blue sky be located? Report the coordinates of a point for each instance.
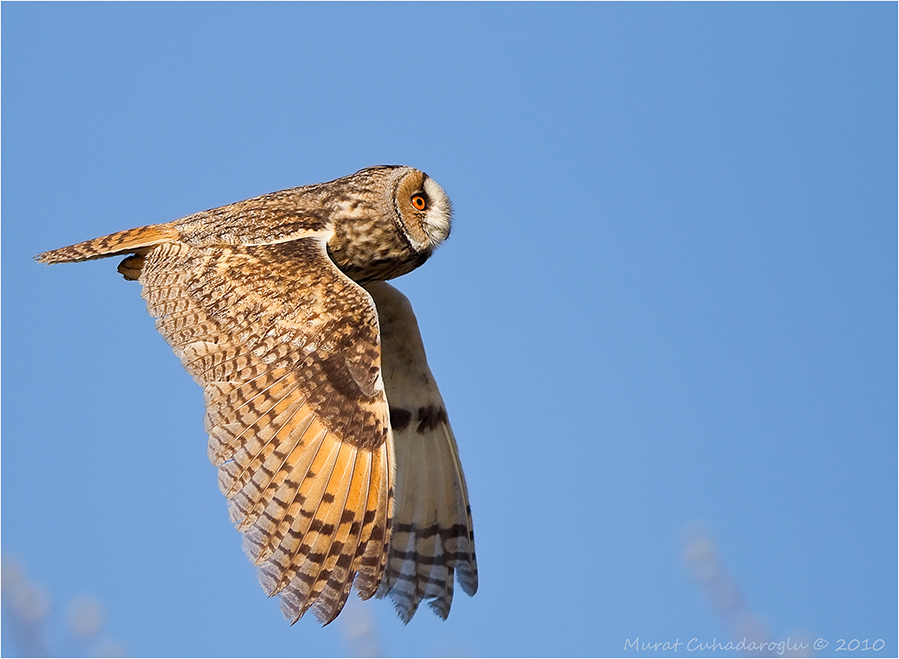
(664, 325)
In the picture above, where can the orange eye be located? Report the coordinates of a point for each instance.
(419, 201)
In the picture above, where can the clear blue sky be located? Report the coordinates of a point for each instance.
(669, 300)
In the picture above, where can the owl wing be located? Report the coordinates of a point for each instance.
(432, 533)
(287, 351)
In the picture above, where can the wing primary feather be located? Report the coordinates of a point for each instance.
(309, 496)
(345, 542)
(432, 540)
(376, 529)
(277, 468)
(121, 242)
(267, 533)
(252, 432)
(288, 504)
(328, 514)
(220, 413)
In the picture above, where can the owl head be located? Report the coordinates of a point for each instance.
(387, 221)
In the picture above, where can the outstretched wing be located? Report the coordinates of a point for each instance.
(286, 349)
(432, 530)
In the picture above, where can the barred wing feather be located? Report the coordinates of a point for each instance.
(432, 535)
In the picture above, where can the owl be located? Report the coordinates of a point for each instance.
(331, 439)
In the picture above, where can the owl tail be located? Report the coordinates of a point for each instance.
(122, 242)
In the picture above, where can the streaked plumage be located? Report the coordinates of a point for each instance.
(320, 406)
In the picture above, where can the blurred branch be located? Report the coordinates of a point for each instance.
(700, 556)
(28, 617)
(358, 628)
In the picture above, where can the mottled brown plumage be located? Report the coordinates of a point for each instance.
(261, 300)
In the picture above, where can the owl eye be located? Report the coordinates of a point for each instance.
(419, 201)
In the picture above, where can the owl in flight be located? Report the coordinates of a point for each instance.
(332, 443)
